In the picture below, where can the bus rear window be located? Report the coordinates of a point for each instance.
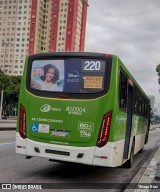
(69, 76)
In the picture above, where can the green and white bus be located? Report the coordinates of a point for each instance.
(81, 107)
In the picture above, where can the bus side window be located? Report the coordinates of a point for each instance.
(123, 92)
(135, 101)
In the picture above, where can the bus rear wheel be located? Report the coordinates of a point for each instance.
(146, 138)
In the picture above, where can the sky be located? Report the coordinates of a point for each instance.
(131, 30)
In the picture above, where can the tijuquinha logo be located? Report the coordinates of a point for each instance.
(45, 108)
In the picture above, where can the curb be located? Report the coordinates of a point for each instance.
(8, 129)
(8, 121)
(7, 125)
(138, 177)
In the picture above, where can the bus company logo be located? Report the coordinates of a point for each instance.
(45, 108)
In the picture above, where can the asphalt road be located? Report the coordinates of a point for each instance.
(16, 169)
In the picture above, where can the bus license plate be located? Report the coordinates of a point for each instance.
(60, 133)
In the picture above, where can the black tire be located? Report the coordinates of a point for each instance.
(146, 138)
(129, 163)
(141, 150)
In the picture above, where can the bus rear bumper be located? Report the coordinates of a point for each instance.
(32, 148)
(105, 156)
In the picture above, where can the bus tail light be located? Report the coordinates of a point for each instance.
(22, 122)
(104, 130)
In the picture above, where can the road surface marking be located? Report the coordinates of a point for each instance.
(2, 144)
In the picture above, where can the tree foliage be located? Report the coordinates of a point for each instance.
(4, 80)
(156, 119)
(12, 90)
(11, 87)
(158, 71)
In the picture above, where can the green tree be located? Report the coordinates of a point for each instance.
(11, 87)
(4, 80)
(11, 93)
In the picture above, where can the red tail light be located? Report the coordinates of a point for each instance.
(22, 122)
(107, 55)
(104, 130)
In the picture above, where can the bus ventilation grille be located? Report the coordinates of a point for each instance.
(57, 152)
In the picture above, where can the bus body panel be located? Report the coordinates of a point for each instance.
(80, 120)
